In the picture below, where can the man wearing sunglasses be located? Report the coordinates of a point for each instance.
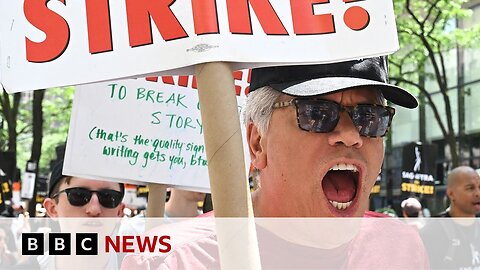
(74, 197)
(77, 197)
(315, 133)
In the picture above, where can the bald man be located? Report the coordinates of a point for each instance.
(463, 190)
(455, 243)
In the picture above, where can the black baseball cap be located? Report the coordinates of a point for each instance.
(57, 175)
(319, 79)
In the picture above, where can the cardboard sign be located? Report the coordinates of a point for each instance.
(141, 132)
(57, 43)
(28, 184)
(418, 169)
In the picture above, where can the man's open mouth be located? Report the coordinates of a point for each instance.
(477, 204)
(340, 185)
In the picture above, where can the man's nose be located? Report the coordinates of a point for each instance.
(345, 133)
(93, 209)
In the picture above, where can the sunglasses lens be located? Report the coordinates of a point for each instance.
(109, 198)
(317, 115)
(78, 196)
(372, 121)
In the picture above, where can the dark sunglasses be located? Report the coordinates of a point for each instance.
(79, 196)
(322, 116)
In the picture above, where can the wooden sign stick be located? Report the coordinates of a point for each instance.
(223, 141)
(226, 167)
(157, 194)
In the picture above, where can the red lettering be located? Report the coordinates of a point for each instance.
(306, 23)
(240, 22)
(183, 81)
(237, 75)
(205, 17)
(167, 80)
(109, 242)
(98, 24)
(53, 25)
(194, 82)
(151, 79)
(247, 89)
(126, 243)
(146, 242)
(164, 243)
(139, 13)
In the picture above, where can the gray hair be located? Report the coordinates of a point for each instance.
(259, 107)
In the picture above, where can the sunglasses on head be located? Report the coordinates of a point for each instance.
(78, 196)
(322, 116)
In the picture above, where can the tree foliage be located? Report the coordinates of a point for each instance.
(18, 134)
(57, 107)
(428, 32)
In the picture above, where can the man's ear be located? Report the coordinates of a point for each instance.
(120, 210)
(450, 194)
(258, 154)
(51, 207)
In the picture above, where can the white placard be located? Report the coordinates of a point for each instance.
(28, 184)
(137, 131)
(58, 43)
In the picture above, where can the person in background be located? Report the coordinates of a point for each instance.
(454, 241)
(411, 208)
(183, 203)
(412, 212)
(180, 204)
(78, 197)
(75, 197)
(463, 191)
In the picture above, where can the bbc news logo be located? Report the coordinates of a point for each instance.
(59, 243)
(87, 244)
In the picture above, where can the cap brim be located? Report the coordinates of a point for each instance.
(321, 86)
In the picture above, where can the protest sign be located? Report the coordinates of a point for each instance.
(141, 131)
(28, 184)
(418, 169)
(57, 43)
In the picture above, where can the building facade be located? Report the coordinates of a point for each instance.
(420, 125)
